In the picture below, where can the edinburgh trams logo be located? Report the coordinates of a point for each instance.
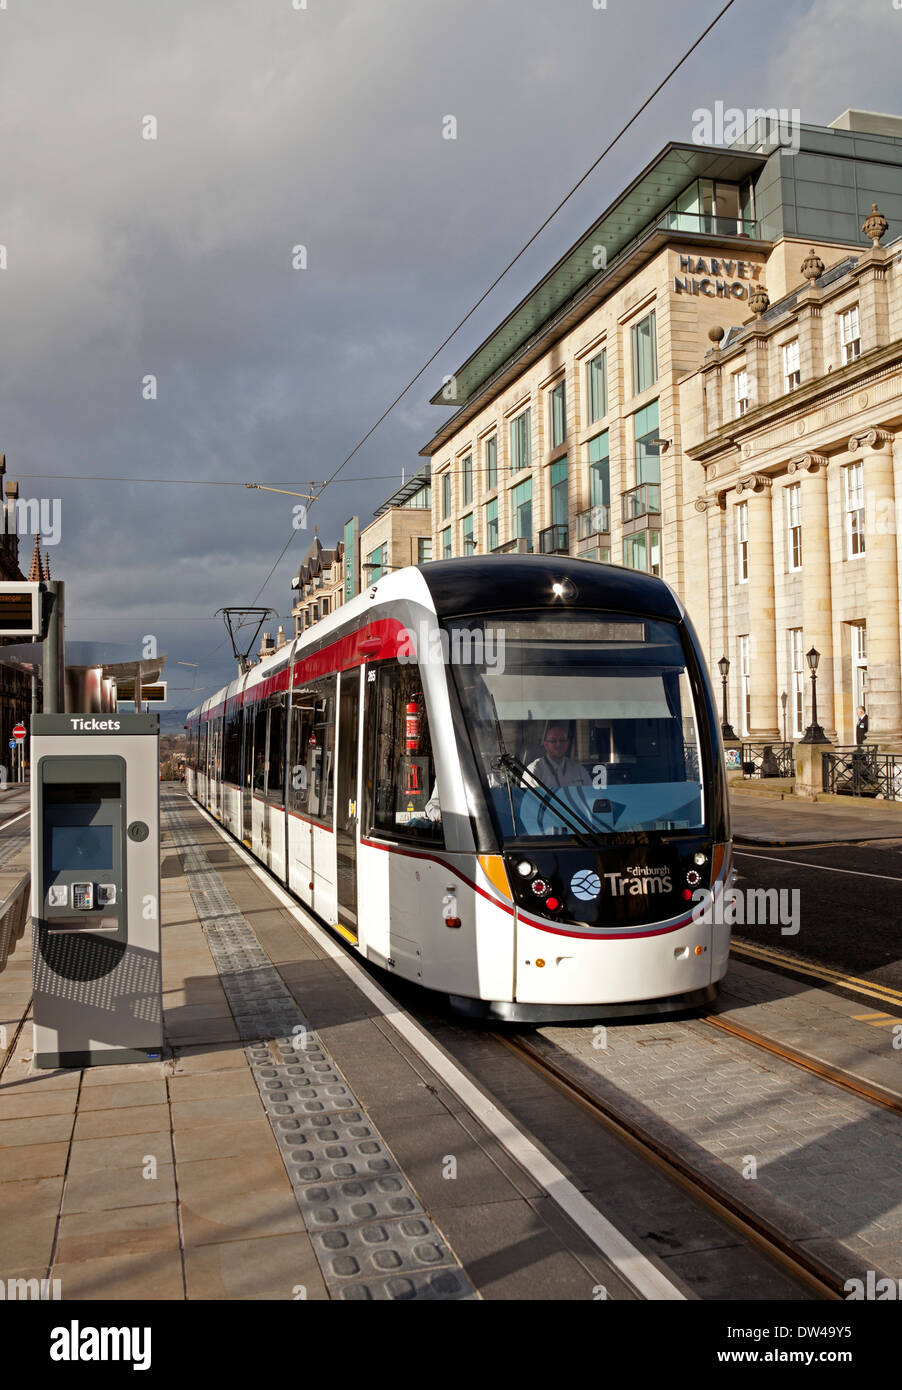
(639, 879)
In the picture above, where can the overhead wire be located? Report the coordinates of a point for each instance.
(510, 265)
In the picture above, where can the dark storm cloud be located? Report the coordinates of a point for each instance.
(276, 127)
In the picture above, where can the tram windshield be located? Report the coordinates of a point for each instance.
(583, 723)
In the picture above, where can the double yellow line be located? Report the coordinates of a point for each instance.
(783, 959)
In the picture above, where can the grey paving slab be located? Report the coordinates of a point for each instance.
(275, 1267)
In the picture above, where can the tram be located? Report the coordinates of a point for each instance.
(500, 777)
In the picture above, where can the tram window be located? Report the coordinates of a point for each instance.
(302, 711)
(231, 751)
(312, 750)
(275, 780)
(603, 718)
(405, 798)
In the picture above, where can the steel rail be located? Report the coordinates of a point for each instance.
(754, 1228)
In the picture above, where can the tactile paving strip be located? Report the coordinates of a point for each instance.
(370, 1233)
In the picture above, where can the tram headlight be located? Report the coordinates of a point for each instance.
(699, 858)
(525, 868)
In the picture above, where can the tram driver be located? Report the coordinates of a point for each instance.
(555, 767)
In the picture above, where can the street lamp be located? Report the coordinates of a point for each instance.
(814, 733)
(726, 728)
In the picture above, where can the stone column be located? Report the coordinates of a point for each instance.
(763, 724)
(897, 490)
(875, 448)
(817, 601)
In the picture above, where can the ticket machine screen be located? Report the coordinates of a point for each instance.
(81, 847)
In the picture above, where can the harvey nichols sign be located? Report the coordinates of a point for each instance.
(720, 279)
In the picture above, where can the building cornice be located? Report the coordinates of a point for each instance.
(871, 368)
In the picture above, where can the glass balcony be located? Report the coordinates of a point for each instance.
(712, 223)
(594, 521)
(554, 540)
(644, 500)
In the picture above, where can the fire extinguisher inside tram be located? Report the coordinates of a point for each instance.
(413, 727)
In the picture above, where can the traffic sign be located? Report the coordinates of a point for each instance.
(12, 743)
(19, 733)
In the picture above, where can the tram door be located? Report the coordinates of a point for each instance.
(346, 801)
(247, 779)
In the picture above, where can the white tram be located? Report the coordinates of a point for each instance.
(500, 777)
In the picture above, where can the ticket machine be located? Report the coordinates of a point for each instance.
(95, 847)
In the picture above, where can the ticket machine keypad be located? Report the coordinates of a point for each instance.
(83, 896)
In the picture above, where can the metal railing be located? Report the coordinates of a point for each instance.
(767, 760)
(863, 772)
(594, 521)
(13, 918)
(554, 540)
(644, 500)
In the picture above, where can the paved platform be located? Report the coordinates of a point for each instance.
(766, 820)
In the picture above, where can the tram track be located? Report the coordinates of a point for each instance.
(865, 1090)
(750, 1225)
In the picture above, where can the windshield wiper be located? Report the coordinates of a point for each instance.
(583, 830)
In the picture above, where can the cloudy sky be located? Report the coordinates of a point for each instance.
(318, 126)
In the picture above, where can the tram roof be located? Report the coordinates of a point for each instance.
(503, 583)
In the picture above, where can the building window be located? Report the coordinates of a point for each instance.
(745, 686)
(468, 542)
(645, 353)
(560, 508)
(557, 414)
(742, 540)
(424, 549)
(642, 551)
(600, 471)
(597, 386)
(645, 434)
(740, 392)
(375, 563)
(325, 607)
(468, 480)
(446, 495)
(491, 462)
(853, 488)
(520, 442)
(859, 666)
(850, 335)
(792, 375)
(794, 524)
(797, 669)
(521, 501)
(446, 543)
(491, 524)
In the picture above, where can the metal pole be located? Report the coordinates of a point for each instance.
(54, 649)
